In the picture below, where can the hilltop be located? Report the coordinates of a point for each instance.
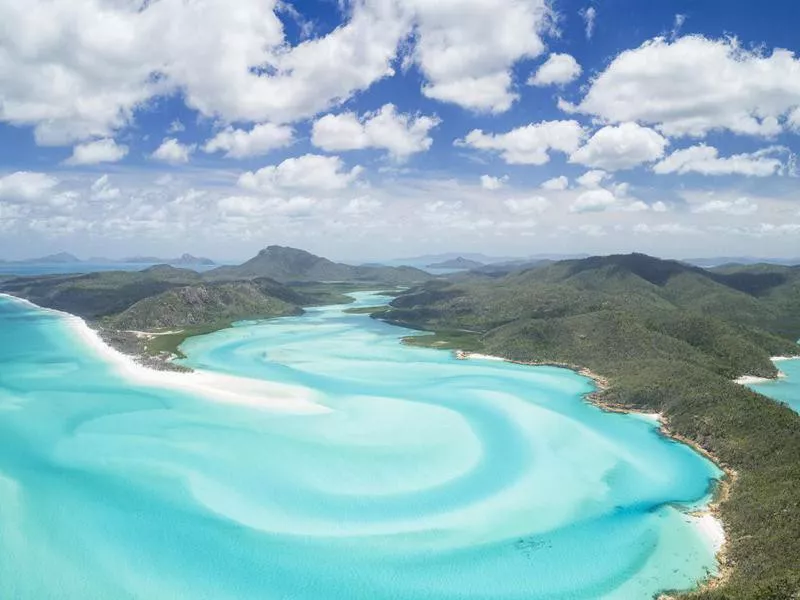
(668, 337)
(286, 264)
(457, 263)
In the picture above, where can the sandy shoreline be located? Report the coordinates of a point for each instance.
(707, 520)
(752, 379)
(217, 387)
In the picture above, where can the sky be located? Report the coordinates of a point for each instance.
(372, 129)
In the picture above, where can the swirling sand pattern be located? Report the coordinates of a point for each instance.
(428, 478)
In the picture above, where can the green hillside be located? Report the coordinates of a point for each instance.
(669, 337)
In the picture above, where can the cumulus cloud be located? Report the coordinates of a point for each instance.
(308, 172)
(593, 201)
(592, 179)
(559, 69)
(556, 183)
(466, 50)
(529, 145)
(400, 134)
(231, 63)
(527, 206)
(706, 161)
(98, 151)
(239, 143)
(493, 183)
(26, 185)
(173, 152)
(620, 147)
(85, 74)
(694, 85)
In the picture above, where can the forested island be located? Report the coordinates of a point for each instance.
(666, 336)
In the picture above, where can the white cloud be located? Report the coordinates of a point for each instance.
(528, 145)
(238, 143)
(593, 201)
(101, 190)
(85, 73)
(706, 161)
(739, 207)
(26, 185)
(176, 127)
(466, 48)
(400, 134)
(309, 172)
(589, 16)
(592, 179)
(659, 206)
(694, 85)
(248, 206)
(559, 69)
(173, 152)
(362, 206)
(98, 151)
(527, 206)
(793, 120)
(556, 183)
(620, 147)
(493, 183)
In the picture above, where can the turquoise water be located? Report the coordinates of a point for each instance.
(786, 389)
(429, 478)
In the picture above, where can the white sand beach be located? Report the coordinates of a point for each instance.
(218, 387)
(711, 529)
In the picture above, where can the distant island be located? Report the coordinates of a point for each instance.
(67, 258)
(457, 263)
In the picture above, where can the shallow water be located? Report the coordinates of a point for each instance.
(430, 478)
(785, 389)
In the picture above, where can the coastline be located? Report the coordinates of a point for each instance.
(707, 520)
(752, 379)
(217, 387)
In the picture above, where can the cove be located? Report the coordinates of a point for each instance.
(421, 477)
(784, 389)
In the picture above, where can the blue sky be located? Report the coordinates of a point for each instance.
(380, 128)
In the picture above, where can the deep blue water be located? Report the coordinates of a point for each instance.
(424, 478)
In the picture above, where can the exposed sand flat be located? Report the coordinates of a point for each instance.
(780, 358)
(213, 386)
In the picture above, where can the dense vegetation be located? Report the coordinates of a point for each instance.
(669, 337)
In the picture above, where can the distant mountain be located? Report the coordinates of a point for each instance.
(290, 264)
(185, 259)
(456, 263)
(739, 260)
(428, 259)
(60, 258)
